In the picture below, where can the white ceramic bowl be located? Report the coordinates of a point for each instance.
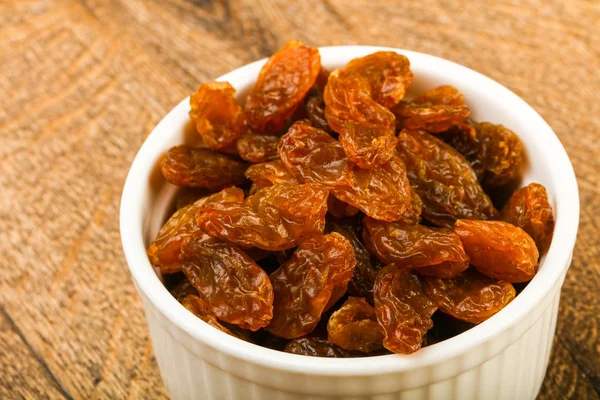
(505, 357)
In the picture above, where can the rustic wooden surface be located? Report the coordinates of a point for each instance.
(83, 82)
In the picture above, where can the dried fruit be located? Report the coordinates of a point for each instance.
(315, 111)
(365, 272)
(428, 116)
(182, 290)
(463, 138)
(367, 129)
(316, 347)
(304, 285)
(530, 210)
(443, 180)
(269, 173)
(430, 251)
(354, 327)
(165, 249)
(233, 287)
(278, 217)
(200, 309)
(470, 296)
(403, 309)
(503, 154)
(445, 94)
(311, 155)
(388, 73)
(258, 148)
(205, 168)
(499, 249)
(216, 114)
(281, 86)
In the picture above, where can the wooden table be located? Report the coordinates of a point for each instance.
(83, 82)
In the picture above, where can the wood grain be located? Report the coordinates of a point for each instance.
(83, 83)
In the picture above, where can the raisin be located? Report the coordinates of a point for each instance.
(205, 168)
(315, 347)
(165, 249)
(258, 148)
(387, 73)
(233, 287)
(315, 111)
(278, 217)
(463, 138)
(530, 210)
(470, 296)
(499, 249)
(367, 129)
(365, 272)
(187, 196)
(445, 94)
(282, 84)
(311, 155)
(354, 327)
(216, 114)
(428, 116)
(430, 251)
(503, 154)
(340, 209)
(269, 173)
(200, 309)
(443, 179)
(183, 289)
(403, 309)
(304, 285)
(321, 82)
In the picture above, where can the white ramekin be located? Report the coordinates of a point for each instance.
(505, 357)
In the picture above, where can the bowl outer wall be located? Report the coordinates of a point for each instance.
(551, 168)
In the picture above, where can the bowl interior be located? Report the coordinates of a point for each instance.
(147, 198)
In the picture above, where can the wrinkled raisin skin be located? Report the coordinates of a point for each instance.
(463, 138)
(502, 154)
(269, 173)
(498, 249)
(367, 129)
(445, 94)
(282, 84)
(315, 347)
(233, 287)
(470, 296)
(429, 251)
(305, 284)
(428, 116)
(443, 179)
(365, 272)
(258, 148)
(275, 218)
(202, 168)
(315, 111)
(354, 327)
(403, 309)
(217, 115)
(388, 73)
(200, 309)
(530, 210)
(164, 251)
(311, 155)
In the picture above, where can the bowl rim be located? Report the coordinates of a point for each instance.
(556, 262)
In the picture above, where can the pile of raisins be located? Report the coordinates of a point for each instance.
(330, 216)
